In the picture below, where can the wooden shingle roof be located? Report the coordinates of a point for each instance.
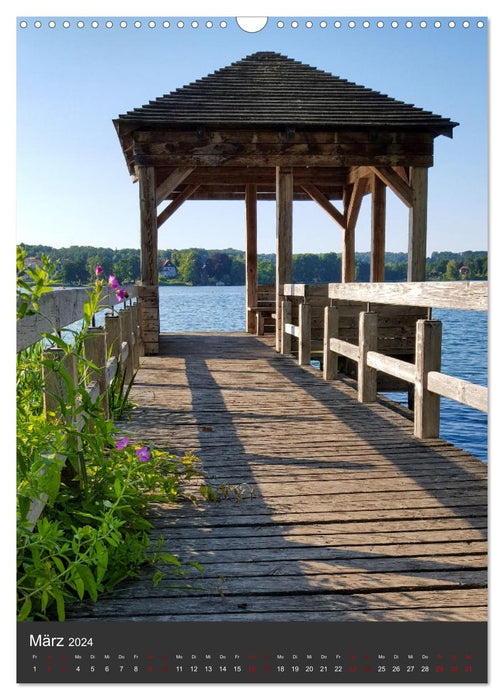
(267, 88)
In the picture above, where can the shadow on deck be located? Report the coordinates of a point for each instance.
(344, 516)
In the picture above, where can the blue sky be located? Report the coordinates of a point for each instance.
(73, 186)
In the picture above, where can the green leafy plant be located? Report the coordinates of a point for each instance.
(95, 486)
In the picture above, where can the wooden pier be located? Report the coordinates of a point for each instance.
(334, 510)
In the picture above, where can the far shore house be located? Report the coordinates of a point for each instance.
(168, 270)
(32, 261)
(463, 271)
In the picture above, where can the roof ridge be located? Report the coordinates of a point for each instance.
(269, 87)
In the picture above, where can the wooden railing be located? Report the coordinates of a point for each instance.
(424, 372)
(115, 344)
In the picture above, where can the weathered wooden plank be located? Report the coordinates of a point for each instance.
(309, 604)
(357, 582)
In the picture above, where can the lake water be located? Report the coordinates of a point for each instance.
(464, 352)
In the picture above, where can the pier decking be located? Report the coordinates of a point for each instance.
(343, 515)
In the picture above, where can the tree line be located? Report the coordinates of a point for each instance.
(199, 266)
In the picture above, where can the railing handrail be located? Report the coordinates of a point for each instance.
(465, 295)
(424, 373)
(469, 296)
(59, 309)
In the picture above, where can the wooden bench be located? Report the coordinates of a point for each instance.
(265, 309)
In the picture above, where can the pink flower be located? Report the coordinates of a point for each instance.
(122, 443)
(122, 294)
(98, 270)
(143, 454)
(113, 282)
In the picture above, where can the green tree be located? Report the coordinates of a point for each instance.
(451, 270)
(190, 267)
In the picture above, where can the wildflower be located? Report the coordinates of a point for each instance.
(113, 282)
(122, 443)
(98, 270)
(122, 294)
(143, 454)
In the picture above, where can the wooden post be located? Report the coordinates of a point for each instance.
(134, 334)
(331, 330)
(284, 197)
(54, 384)
(113, 336)
(428, 359)
(368, 340)
(417, 245)
(304, 351)
(378, 208)
(251, 255)
(149, 290)
(348, 250)
(125, 321)
(286, 347)
(95, 350)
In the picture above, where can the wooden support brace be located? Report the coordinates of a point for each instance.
(396, 183)
(176, 204)
(368, 340)
(174, 179)
(304, 351)
(320, 198)
(331, 330)
(428, 358)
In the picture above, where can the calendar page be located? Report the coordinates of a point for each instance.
(252, 296)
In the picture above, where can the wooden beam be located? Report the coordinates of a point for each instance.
(148, 226)
(348, 250)
(417, 244)
(148, 291)
(284, 189)
(326, 205)
(378, 207)
(173, 180)
(176, 203)
(251, 256)
(396, 183)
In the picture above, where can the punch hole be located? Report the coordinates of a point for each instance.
(280, 24)
(252, 24)
(323, 24)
